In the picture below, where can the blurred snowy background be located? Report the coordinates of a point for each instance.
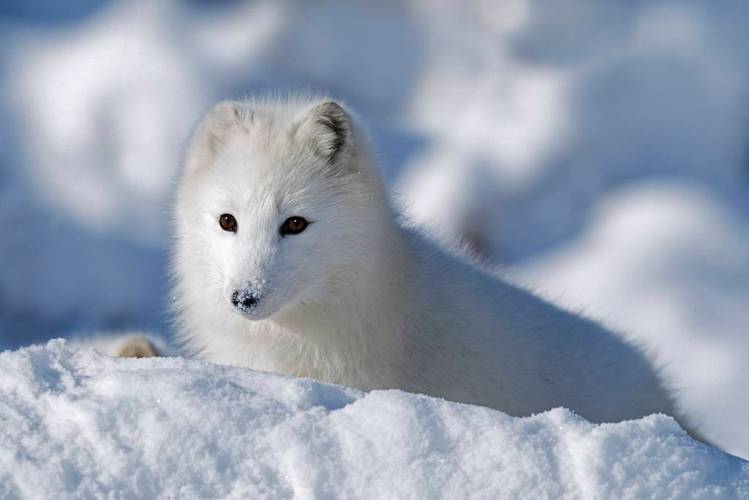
(597, 150)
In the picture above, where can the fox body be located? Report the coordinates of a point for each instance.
(357, 297)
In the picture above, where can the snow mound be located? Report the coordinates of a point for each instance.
(77, 423)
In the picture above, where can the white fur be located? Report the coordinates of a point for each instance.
(359, 299)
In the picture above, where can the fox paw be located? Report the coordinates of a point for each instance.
(138, 347)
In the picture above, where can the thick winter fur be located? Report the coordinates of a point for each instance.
(359, 299)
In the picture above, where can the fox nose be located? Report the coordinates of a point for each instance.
(244, 299)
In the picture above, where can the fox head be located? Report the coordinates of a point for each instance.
(277, 206)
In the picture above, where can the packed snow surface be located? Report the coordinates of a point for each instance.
(75, 423)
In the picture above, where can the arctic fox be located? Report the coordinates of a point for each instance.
(289, 258)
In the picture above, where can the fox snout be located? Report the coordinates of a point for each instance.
(245, 299)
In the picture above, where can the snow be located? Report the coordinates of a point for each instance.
(597, 150)
(668, 263)
(75, 423)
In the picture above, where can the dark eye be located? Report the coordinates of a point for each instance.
(294, 225)
(228, 222)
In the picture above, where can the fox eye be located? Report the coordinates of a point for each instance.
(293, 225)
(228, 222)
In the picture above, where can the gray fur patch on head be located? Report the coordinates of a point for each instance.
(219, 121)
(212, 132)
(331, 129)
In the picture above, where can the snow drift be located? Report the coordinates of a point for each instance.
(77, 423)
(597, 149)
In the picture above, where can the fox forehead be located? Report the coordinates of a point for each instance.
(246, 154)
(266, 162)
(264, 145)
(264, 198)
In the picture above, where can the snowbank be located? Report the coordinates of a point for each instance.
(76, 423)
(532, 129)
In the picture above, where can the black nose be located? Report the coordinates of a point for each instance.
(243, 299)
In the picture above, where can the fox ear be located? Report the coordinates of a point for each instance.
(212, 133)
(327, 129)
